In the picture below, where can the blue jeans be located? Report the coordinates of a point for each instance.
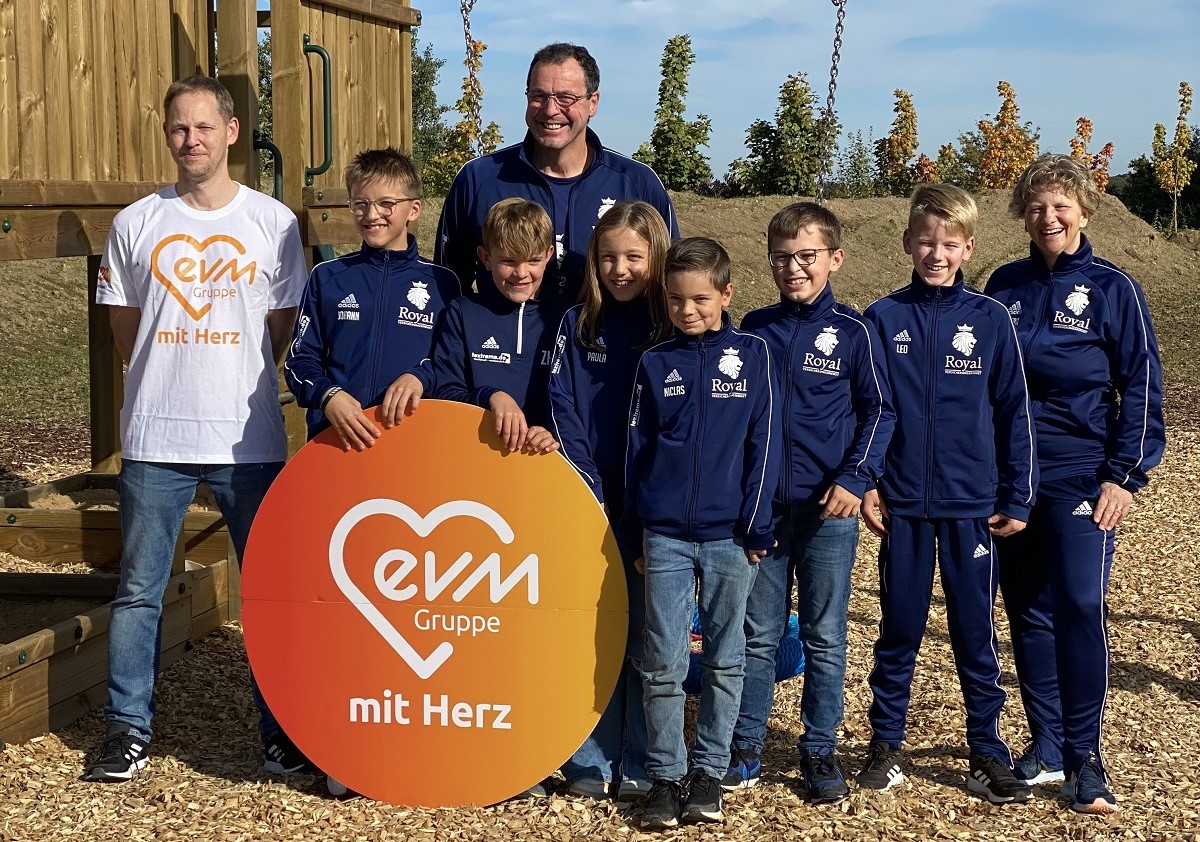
(673, 567)
(819, 556)
(154, 499)
(616, 748)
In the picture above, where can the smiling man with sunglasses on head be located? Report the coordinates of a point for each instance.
(560, 164)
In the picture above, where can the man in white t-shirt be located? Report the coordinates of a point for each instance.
(202, 280)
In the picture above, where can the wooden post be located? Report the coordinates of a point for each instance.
(106, 381)
(237, 68)
(289, 84)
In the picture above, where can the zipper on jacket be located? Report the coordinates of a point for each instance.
(520, 328)
(697, 450)
(377, 345)
(785, 481)
(931, 399)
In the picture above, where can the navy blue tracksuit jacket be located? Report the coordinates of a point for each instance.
(364, 320)
(963, 446)
(590, 390)
(483, 347)
(836, 398)
(703, 458)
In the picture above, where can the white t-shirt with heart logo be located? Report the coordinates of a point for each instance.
(202, 385)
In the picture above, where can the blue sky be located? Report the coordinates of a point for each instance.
(1117, 62)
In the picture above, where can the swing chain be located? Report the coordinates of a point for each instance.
(475, 116)
(828, 118)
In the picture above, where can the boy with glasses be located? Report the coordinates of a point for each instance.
(838, 421)
(560, 164)
(368, 317)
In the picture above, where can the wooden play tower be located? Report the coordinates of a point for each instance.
(81, 87)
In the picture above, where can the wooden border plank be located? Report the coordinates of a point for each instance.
(67, 673)
(346, 117)
(402, 103)
(55, 233)
(33, 648)
(386, 10)
(60, 585)
(55, 25)
(42, 193)
(81, 63)
(10, 152)
(104, 114)
(289, 99)
(125, 100)
(237, 55)
(31, 86)
(22, 497)
(147, 92)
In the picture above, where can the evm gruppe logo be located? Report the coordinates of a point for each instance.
(417, 611)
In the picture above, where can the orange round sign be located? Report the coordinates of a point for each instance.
(433, 621)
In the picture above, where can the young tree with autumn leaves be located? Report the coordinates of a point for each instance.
(894, 153)
(1172, 166)
(1009, 146)
(1098, 163)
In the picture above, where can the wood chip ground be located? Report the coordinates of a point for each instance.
(204, 781)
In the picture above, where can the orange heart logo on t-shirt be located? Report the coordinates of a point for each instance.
(187, 269)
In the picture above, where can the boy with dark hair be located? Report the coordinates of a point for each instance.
(838, 419)
(960, 471)
(702, 465)
(368, 317)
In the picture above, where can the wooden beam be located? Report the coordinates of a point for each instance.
(22, 497)
(10, 146)
(329, 227)
(104, 144)
(59, 585)
(42, 193)
(392, 11)
(237, 68)
(67, 673)
(106, 379)
(54, 233)
(289, 99)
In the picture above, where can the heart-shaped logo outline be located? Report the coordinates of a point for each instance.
(422, 526)
(198, 245)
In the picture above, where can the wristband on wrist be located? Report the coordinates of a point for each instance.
(329, 394)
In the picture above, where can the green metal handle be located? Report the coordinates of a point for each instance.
(327, 80)
(261, 141)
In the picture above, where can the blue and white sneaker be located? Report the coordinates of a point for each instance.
(1088, 789)
(823, 780)
(744, 768)
(1030, 770)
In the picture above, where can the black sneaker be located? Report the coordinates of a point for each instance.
(663, 805)
(282, 756)
(995, 781)
(744, 768)
(703, 802)
(120, 757)
(823, 781)
(882, 769)
(1088, 789)
(1030, 768)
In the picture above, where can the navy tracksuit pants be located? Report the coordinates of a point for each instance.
(965, 556)
(1054, 576)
